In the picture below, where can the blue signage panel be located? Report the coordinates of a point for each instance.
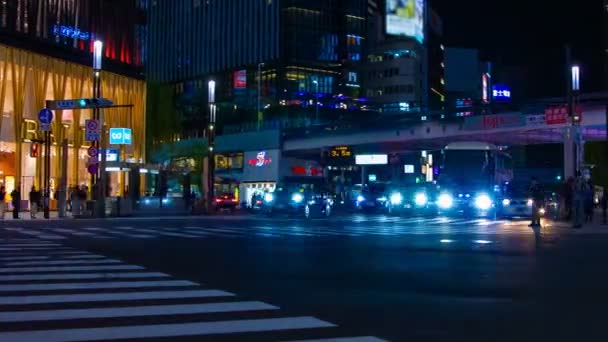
(45, 116)
(501, 92)
(120, 136)
(70, 32)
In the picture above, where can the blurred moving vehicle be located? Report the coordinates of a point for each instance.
(413, 199)
(226, 202)
(516, 201)
(368, 198)
(307, 199)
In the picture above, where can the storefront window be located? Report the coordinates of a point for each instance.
(229, 161)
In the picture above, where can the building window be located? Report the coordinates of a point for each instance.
(229, 161)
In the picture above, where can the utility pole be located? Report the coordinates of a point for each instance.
(99, 177)
(97, 57)
(211, 139)
(260, 115)
(316, 100)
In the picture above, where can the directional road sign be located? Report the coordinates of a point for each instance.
(92, 168)
(92, 151)
(92, 130)
(98, 102)
(45, 116)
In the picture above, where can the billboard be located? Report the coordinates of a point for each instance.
(405, 18)
(240, 79)
(371, 159)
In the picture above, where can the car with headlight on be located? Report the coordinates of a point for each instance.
(468, 201)
(416, 199)
(516, 202)
(303, 200)
(369, 198)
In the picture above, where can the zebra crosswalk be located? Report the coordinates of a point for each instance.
(50, 292)
(357, 226)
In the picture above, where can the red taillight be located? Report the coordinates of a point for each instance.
(218, 200)
(234, 200)
(258, 202)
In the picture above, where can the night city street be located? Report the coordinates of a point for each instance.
(397, 279)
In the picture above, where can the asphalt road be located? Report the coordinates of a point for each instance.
(398, 279)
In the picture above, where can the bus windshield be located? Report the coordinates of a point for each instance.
(467, 166)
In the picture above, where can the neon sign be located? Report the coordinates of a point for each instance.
(70, 32)
(260, 160)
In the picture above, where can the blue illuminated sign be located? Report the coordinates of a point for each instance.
(120, 136)
(70, 32)
(501, 92)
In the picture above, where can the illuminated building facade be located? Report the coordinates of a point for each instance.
(45, 54)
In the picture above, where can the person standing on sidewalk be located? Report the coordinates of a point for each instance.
(538, 197)
(16, 198)
(2, 202)
(34, 202)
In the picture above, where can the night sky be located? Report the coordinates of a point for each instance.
(531, 34)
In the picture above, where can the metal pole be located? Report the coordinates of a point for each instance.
(260, 116)
(211, 139)
(101, 188)
(605, 195)
(47, 174)
(62, 192)
(317, 103)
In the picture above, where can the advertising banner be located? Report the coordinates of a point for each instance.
(483, 122)
(405, 18)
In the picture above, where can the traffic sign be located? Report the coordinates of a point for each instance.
(92, 168)
(92, 151)
(91, 130)
(80, 103)
(45, 116)
(45, 127)
(120, 136)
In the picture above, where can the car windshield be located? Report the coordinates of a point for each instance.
(517, 190)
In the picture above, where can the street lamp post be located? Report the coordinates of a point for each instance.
(97, 57)
(316, 100)
(100, 183)
(260, 115)
(211, 139)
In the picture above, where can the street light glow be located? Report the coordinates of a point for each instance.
(575, 78)
(97, 54)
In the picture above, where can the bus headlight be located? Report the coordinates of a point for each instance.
(530, 202)
(483, 202)
(268, 197)
(360, 198)
(506, 202)
(420, 199)
(396, 198)
(297, 198)
(445, 201)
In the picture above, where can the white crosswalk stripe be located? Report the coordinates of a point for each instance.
(72, 302)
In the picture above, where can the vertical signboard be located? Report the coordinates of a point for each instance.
(405, 18)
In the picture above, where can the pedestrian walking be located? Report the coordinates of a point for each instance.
(2, 202)
(538, 198)
(16, 199)
(35, 199)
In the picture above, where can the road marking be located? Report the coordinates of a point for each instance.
(179, 235)
(134, 311)
(104, 297)
(64, 262)
(31, 245)
(69, 268)
(50, 253)
(83, 234)
(84, 256)
(139, 236)
(37, 234)
(24, 258)
(345, 339)
(167, 330)
(102, 285)
(66, 276)
(37, 249)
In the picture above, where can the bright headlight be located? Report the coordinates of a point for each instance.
(530, 202)
(483, 202)
(360, 198)
(396, 198)
(268, 197)
(420, 199)
(382, 199)
(506, 202)
(445, 201)
(297, 198)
